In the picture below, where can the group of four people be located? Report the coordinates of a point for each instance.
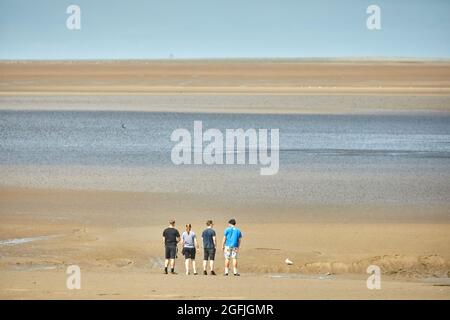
(230, 245)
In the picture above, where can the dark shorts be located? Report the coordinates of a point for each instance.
(189, 253)
(209, 253)
(171, 252)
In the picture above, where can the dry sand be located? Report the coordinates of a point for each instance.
(284, 86)
(128, 284)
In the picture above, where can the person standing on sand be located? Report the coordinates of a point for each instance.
(230, 245)
(209, 247)
(189, 243)
(171, 237)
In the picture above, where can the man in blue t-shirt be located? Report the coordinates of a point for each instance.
(230, 245)
(209, 247)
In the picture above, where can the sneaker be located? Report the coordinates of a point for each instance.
(195, 273)
(225, 274)
(212, 273)
(205, 273)
(237, 274)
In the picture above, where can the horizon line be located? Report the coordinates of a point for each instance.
(343, 59)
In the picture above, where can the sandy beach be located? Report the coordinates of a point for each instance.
(230, 86)
(120, 259)
(333, 213)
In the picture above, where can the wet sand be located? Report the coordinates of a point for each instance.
(120, 252)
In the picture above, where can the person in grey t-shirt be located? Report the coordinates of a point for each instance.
(189, 243)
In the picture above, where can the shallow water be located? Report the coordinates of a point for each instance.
(139, 138)
(353, 159)
(18, 241)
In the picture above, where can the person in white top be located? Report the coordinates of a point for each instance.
(189, 243)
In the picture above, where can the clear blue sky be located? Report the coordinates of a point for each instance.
(138, 29)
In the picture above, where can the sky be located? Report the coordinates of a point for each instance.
(191, 29)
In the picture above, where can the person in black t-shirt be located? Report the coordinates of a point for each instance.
(171, 238)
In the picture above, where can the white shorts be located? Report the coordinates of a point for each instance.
(230, 252)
